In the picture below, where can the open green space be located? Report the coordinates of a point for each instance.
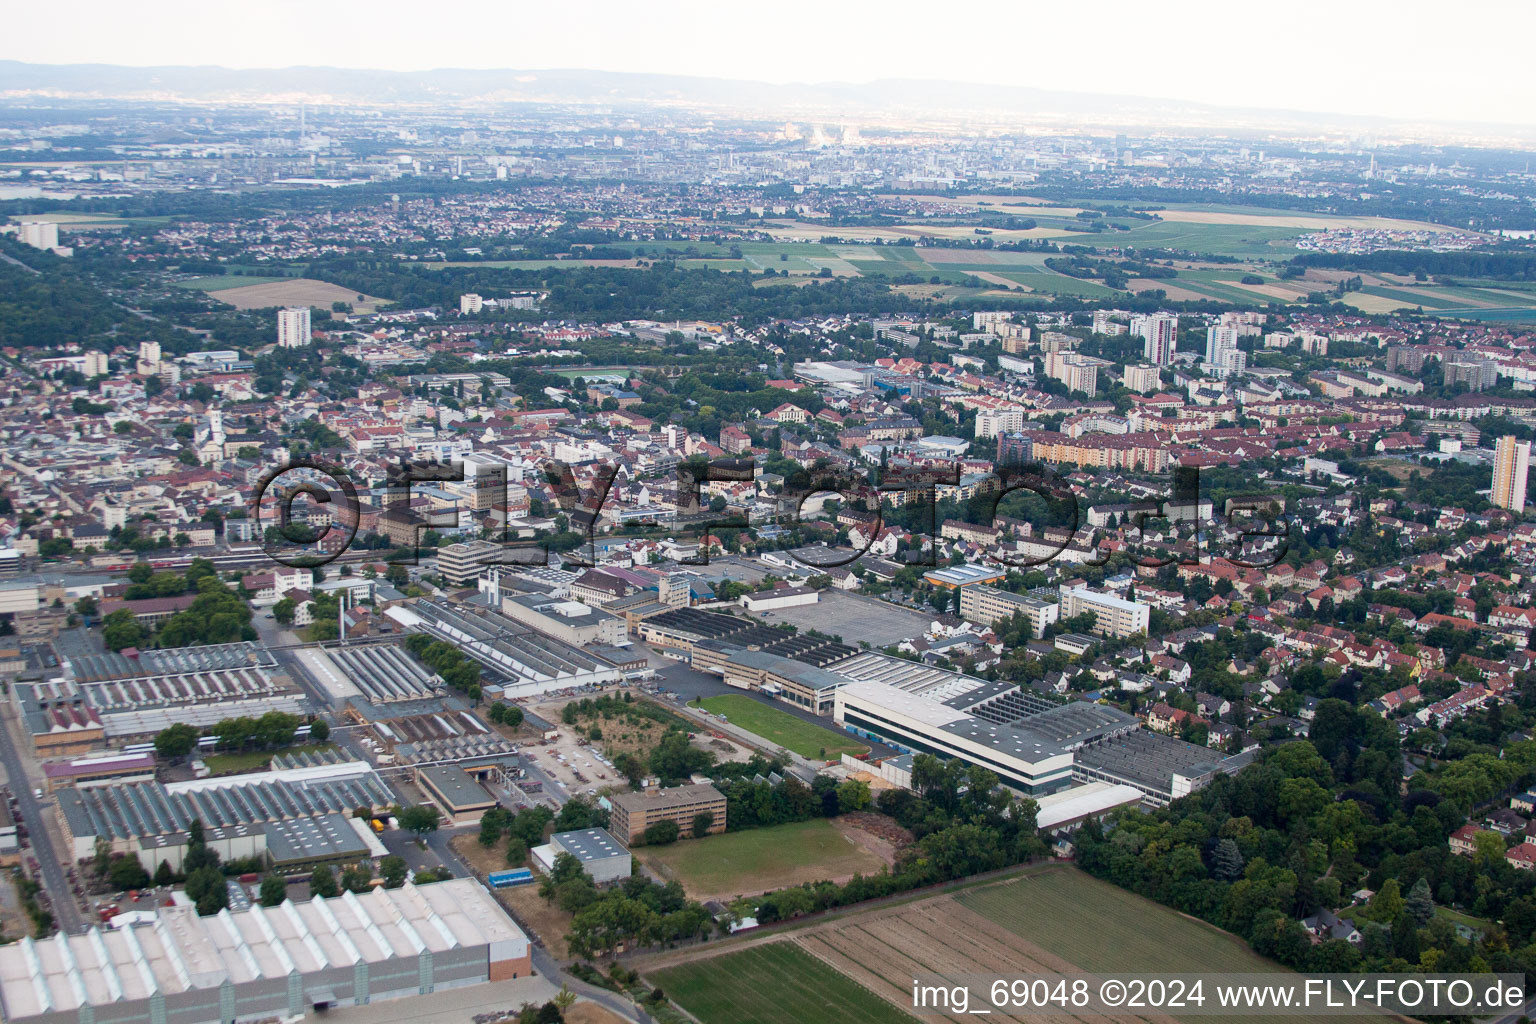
(781, 727)
(727, 864)
(1102, 928)
(777, 983)
(1219, 239)
(219, 283)
(254, 760)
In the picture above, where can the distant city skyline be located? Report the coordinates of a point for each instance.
(1409, 61)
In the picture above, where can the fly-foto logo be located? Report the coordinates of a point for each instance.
(1252, 531)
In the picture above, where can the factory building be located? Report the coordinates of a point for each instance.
(149, 820)
(266, 963)
(198, 686)
(533, 662)
(601, 855)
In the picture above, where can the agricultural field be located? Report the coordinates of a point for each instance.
(777, 983)
(224, 282)
(730, 864)
(292, 291)
(782, 728)
(1046, 920)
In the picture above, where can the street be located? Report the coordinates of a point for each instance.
(39, 831)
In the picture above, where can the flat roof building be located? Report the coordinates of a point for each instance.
(601, 855)
(1114, 616)
(633, 812)
(283, 961)
(456, 791)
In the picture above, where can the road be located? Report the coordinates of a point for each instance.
(39, 833)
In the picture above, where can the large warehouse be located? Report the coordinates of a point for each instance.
(198, 686)
(283, 961)
(534, 662)
(243, 815)
(1035, 744)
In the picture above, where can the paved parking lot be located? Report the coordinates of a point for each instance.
(853, 618)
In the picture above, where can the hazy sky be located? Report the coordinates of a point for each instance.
(1465, 61)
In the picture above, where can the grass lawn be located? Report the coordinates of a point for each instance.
(257, 760)
(733, 863)
(1477, 924)
(777, 983)
(781, 727)
(220, 282)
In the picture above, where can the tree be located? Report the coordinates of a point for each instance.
(1227, 861)
(164, 875)
(175, 741)
(121, 629)
(273, 890)
(702, 823)
(1420, 904)
(207, 888)
(356, 879)
(322, 882)
(393, 870)
(661, 833)
(283, 611)
(319, 730)
(418, 818)
(127, 873)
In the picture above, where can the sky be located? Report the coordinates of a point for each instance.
(1405, 59)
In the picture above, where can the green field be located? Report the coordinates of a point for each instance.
(732, 863)
(781, 727)
(778, 983)
(1102, 928)
(219, 283)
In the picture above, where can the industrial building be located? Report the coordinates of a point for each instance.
(149, 820)
(458, 793)
(266, 963)
(384, 673)
(633, 813)
(1034, 743)
(533, 662)
(601, 855)
(1162, 767)
(571, 621)
(1062, 813)
(807, 686)
(197, 686)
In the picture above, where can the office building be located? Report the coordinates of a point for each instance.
(986, 606)
(293, 330)
(1115, 616)
(633, 813)
(1511, 463)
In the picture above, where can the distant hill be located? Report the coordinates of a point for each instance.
(207, 84)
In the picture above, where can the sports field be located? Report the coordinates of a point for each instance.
(781, 727)
(777, 983)
(730, 864)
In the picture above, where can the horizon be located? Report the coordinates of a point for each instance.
(1324, 73)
